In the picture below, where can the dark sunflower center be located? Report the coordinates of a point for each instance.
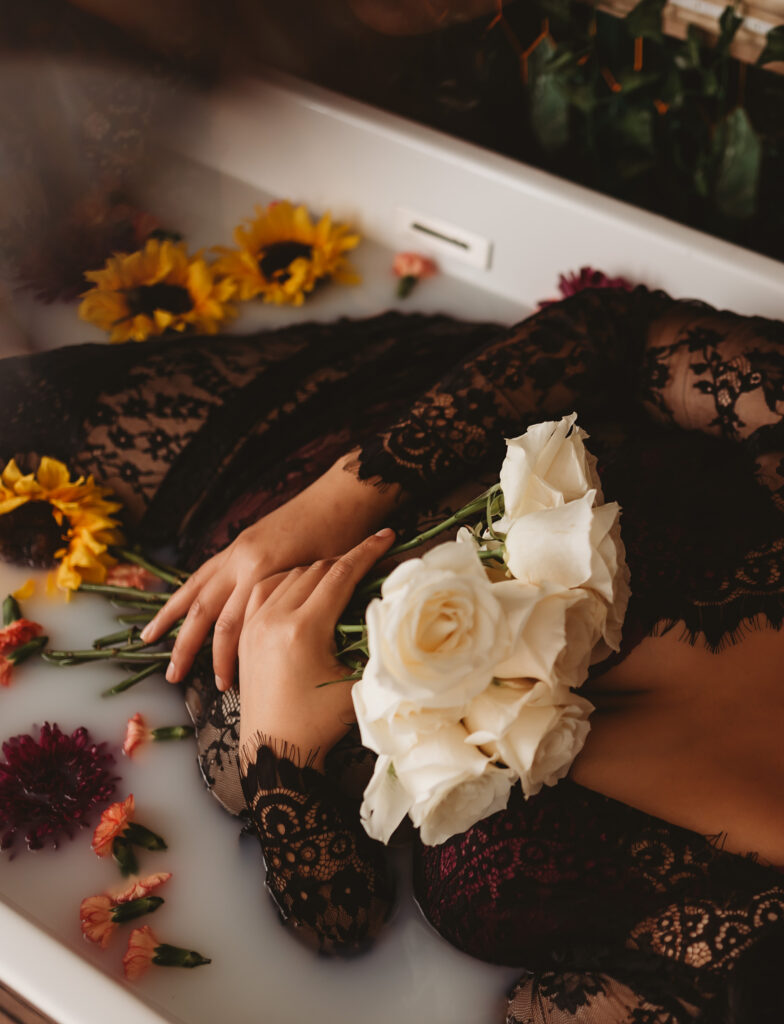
(275, 260)
(29, 535)
(144, 300)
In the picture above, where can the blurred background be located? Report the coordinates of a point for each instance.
(678, 108)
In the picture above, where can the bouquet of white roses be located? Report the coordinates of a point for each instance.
(476, 648)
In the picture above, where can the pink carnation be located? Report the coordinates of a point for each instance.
(17, 633)
(136, 734)
(112, 824)
(137, 888)
(127, 575)
(141, 949)
(412, 264)
(6, 668)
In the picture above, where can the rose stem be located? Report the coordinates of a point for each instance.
(126, 684)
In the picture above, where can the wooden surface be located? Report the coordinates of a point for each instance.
(14, 1010)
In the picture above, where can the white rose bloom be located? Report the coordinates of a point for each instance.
(436, 632)
(452, 783)
(386, 802)
(388, 724)
(547, 466)
(554, 643)
(516, 723)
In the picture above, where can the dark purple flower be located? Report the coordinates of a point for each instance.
(572, 283)
(49, 786)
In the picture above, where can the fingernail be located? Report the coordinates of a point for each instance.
(171, 672)
(386, 532)
(219, 683)
(146, 632)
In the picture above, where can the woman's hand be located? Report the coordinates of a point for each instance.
(287, 648)
(326, 519)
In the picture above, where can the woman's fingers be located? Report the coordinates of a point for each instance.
(180, 601)
(338, 583)
(205, 609)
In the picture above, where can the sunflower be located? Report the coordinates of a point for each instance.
(283, 255)
(84, 526)
(156, 289)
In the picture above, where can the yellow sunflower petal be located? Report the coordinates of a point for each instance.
(25, 592)
(52, 474)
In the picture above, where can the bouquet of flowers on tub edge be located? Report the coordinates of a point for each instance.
(476, 649)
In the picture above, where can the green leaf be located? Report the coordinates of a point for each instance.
(729, 23)
(548, 100)
(774, 46)
(11, 610)
(631, 81)
(646, 19)
(739, 152)
(634, 130)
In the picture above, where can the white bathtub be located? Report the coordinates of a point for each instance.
(519, 228)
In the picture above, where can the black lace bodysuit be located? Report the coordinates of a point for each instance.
(617, 916)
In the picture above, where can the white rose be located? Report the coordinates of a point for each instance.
(554, 643)
(452, 783)
(516, 723)
(547, 466)
(436, 632)
(385, 803)
(445, 784)
(388, 724)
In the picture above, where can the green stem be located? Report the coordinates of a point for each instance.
(125, 592)
(122, 851)
(28, 650)
(141, 836)
(140, 606)
(465, 512)
(126, 684)
(112, 638)
(175, 956)
(172, 732)
(135, 908)
(350, 629)
(138, 619)
(129, 653)
(166, 573)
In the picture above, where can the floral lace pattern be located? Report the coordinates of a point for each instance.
(328, 879)
(580, 888)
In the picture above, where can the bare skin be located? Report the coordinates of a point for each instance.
(695, 737)
(679, 732)
(323, 521)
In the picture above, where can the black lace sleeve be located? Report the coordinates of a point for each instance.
(328, 878)
(583, 352)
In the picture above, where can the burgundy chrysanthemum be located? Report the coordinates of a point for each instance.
(572, 283)
(49, 786)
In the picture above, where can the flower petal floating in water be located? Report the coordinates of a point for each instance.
(112, 824)
(137, 888)
(99, 915)
(141, 950)
(49, 786)
(136, 734)
(157, 290)
(283, 255)
(18, 633)
(145, 949)
(95, 917)
(135, 576)
(411, 267)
